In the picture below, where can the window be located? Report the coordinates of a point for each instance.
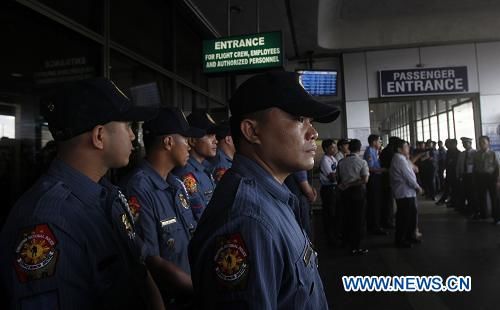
(7, 126)
(443, 127)
(426, 131)
(434, 128)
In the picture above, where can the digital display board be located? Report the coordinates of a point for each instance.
(242, 53)
(319, 83)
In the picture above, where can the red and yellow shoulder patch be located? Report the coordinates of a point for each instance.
(36, 254)
(218, 173)
(190, 183)
(231, 261)
(134, 206)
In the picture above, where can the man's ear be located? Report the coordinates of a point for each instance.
(228, 140)
(96, 136)
(191, 142)
(250, 131)
(168, 142)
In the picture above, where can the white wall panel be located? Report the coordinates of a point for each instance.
(488, 55)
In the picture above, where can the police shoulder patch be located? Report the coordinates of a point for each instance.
(218, 173)
(36, 254)
(231, 262)
(190, 183)
(134, 206)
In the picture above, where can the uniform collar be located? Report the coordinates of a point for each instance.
(250, 168)
(174, 181)
(196, 165)
(157, 180)
(224, 155)
(86, 190)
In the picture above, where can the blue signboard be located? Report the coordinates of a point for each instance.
(429, 81)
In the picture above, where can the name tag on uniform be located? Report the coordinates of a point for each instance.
(169, 221)
(307, 255)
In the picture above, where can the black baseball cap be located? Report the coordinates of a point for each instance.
(201, 120)
(222, 130)
(77, 107)
(170, 121)
(282, 90)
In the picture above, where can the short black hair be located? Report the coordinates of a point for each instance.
(151, 142)
(372, 138)
(484, 137)
(326, 144)
(354, 146)
(235, 129)
(399, 144)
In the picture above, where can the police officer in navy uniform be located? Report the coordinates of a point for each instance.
(465, 172)
(223, 160)
(249, 250)
(159, 201)
(197, 174)
(70, 241)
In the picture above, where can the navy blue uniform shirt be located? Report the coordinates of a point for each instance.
(70, 243)
(163, 215)
(220, 164)
(199, 184)
(249, 251)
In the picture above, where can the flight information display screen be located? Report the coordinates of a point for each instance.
(319, 83)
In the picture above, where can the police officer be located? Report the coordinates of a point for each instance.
(353, 174)
(486, 172)
(160, 204)
(328, 190)
(343, 149)
(197, 174)
(225, 151)
(249, 250)
(452, 184)
(465, 172)
(374, 186)
(387, 201)
(70, 241)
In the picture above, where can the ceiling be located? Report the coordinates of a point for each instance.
(329, 27)
(297, 19)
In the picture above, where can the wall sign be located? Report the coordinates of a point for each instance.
(429, 81)
(248, 52)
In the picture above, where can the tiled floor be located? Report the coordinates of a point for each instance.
(452, 245)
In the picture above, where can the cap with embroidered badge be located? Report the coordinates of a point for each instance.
(77, 107)
(202, 120)
(170, 121)
(282, 90)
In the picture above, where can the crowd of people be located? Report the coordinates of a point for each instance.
(215, 216)
(359, 192)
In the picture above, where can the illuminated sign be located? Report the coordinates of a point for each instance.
(248, 52)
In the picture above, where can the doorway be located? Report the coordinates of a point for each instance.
(421, 118)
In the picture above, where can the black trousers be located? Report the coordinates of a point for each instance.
(374, 201)
(406, 219)
(452, 187)
(332, 218)
(486, 184)
(467, 194)
(353, 200)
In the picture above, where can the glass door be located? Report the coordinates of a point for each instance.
(463, 121)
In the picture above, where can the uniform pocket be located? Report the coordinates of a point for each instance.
(170, 233)
(305, 268)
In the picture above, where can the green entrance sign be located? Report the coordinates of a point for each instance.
(248, 52)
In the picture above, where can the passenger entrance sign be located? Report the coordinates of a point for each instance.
(429, 81)
(242, 53)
